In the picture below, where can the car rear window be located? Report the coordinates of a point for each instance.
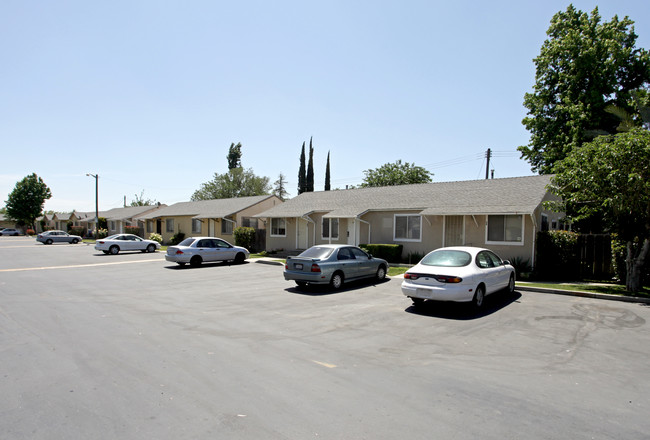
(187, 242)
(317, 252)
(447, 259)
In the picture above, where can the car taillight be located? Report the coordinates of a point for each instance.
(315, 268)
(100, 242)
(411, 276)
(179, 252)
(447, 279)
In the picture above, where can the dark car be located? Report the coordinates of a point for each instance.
(334, 265)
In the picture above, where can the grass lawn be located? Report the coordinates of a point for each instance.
(611, 289)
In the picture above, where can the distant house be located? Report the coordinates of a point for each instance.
(6, 223)
(118, 219)
(215, 218)
(61, 220)
(501, 214)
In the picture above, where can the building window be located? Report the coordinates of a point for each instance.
(330, 226)
(226, 226)
(249, 222)
(169, 225)
(149, 225)
(112, 225)
(278, 227)
(505, 229)
(407, 228)
(196, 225)
(544, 222)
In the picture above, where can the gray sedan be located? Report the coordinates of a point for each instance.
(49, 237)
(196, 250)
(333, 264)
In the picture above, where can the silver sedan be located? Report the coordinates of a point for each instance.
(125, 242)
(196, 250)
(333, 264)
(49, 237)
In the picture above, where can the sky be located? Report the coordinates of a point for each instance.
(150, 94)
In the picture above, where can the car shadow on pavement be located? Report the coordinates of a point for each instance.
(324, 289)
(175, 266)
(464, 311)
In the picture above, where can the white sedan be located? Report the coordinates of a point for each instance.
(125, 242)
(463, 274)
(196, 250)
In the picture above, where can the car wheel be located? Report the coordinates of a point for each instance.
(240, 258)
(381, 273)
(479, 297)
(151, 248)
(114, 250)
(337, 280)
(417, 301)
(75, 241)
(49, 241)
(511, 284)
(196, 261)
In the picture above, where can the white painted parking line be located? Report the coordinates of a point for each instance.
(22, 269)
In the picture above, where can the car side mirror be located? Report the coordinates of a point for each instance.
(506, 262)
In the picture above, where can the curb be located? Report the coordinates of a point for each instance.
(622, 298)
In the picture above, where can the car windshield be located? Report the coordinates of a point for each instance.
(317, 252)
(447, 258)
(187, 242)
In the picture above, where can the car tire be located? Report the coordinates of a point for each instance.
(196, 261)
(511, 284)
(337, 280)
(479, 297)
(240, 258)
(75, 241)
(49, 241)
(151, 248)
(381, 273)
(417, 301)
(114, 250)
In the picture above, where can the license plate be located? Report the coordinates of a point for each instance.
(298, 266)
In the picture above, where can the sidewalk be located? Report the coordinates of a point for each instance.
(521, 285)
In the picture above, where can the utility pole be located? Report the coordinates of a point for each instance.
(488, 154)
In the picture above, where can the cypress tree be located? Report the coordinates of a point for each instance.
(309, 184)
(327, 173)
(302, 175)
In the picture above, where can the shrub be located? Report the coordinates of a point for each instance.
(155, 237)
(77, 230)
(102, 233)
(177, 238)
(414, 257)
(522, 266)
(244, 237)
(389, 252)
(132, 230)
(557, 255)
(30, 232)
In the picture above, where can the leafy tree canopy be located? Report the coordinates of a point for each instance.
(280, 189)
(237, 182)
(234, 156)
(610, 178)
(26, 201)
(583, 67)
(397, 173)
(141, 201)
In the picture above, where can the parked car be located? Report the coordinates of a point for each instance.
(462, 274)
(49, 237)
(333, 264)
(197, 250)
(125, 242)
(11, 231)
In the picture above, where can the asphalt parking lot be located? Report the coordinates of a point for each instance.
(129, 346)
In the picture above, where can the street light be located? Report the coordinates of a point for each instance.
(96, 176)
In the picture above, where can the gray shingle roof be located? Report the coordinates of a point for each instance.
(116, 213)
(493, 196)
(216, 208)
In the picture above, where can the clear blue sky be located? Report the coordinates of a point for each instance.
(150, 94)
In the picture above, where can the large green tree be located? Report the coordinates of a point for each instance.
(327, 173)
(584, 66)
(234, 156)
(309, 182)
(280, 188)
(302, 172)
(397, 173)
(610, 178)
(27, 200)
(237, 182)
(141, 201)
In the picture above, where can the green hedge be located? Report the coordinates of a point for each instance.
(389, 252)
(558, 256)
(244, 237)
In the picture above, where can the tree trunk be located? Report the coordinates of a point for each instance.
(634, 265)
